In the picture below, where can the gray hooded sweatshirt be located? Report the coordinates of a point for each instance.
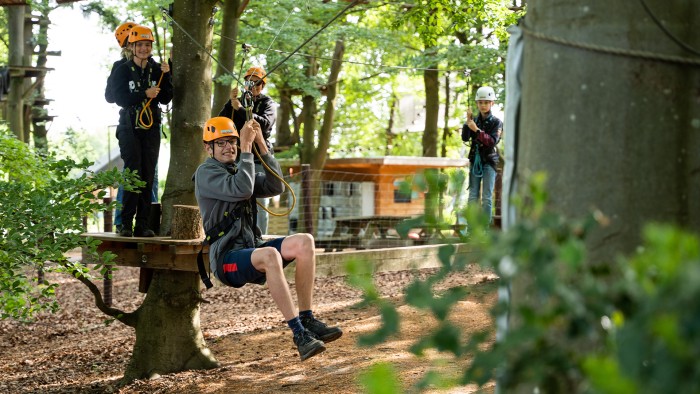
(223, 189)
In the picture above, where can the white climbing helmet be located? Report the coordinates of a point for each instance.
(485, 93)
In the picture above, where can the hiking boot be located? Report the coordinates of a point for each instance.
(126, 232)
(143, 232)
(321, 330)
(308, 345)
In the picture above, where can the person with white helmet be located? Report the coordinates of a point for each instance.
(226, 186)
(139, 86)
(484, 132)
(264, 111)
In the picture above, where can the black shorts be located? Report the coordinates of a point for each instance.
(238, 268)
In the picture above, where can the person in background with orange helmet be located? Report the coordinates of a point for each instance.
(226, 186)
(139, 86)
(264, 112)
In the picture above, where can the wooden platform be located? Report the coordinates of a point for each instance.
(155, 252)
(168, 253)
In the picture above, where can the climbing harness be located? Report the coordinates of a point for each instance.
(478, 167)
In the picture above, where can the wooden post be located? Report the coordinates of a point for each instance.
(187, 222)
(107, 280)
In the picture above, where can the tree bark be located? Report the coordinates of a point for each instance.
(191, 102)
(15, 104)
(324, 138)
(284, 114)
(227, 53)
(615, 132)
(168, 333)
(38, 108)
(187, 222)
(432, 107)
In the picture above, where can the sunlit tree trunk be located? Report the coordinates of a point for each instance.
(432, 106)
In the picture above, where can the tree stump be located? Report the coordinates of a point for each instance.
(187, 222)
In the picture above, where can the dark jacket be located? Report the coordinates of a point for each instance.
(223, 189)
(129, 87)
(491, 128)
(109, 94)
(264, 112)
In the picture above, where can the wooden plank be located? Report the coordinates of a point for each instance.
(154, 240)
(157, 260)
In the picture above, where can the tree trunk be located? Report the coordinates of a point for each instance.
(227, 53)
(324, 137)
(168, 333)
(432, 107)
(15, 105)
(307, 152)
(446, 118)
(393, 105)
(308, 149)
(615, 132)
(27, 90)
(191, 102)
(38, 108)
(284, 114)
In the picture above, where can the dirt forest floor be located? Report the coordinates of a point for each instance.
(73, 351)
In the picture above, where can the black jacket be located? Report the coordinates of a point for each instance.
(491, 128)
(109, 90)
(129, 88)
(264, 112)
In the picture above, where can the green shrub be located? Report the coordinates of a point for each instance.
(625, 326)
(42, 202)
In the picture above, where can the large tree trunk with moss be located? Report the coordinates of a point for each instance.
(615, 131)
(191, 102)
(432, 106)
(227, 52)
(168, 334)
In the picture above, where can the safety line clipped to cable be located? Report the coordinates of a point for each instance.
(248, 106)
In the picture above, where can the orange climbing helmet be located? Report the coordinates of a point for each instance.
(140, 33)
(122, 33)
(258, 72)
(219, 127)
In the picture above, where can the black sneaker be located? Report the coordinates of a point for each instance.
(125, 232)
(321, 330)
(119, 228)
(308, 345)
(143, 232)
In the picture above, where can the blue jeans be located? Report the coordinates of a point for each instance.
(475, 187)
